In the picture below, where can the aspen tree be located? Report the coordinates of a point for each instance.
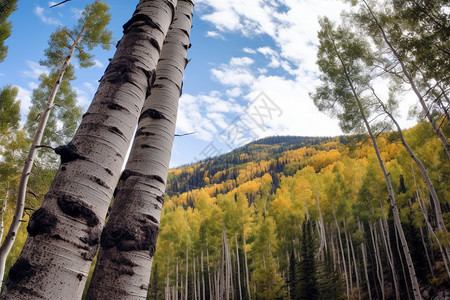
(339, 59)
(139, 195)
(64, 233)
(89, 32)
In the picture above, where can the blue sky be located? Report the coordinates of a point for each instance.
(252, 68)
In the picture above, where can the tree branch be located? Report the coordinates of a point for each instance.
(59, 3)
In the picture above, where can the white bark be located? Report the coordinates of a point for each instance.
(139, 195)
(64, 233)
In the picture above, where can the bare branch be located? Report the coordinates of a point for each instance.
(59, 3)
(190, 133)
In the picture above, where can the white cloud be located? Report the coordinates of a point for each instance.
(241, 61)
(35, 70)
(234, 92)
(98, 64)
(24, 95)
(214, 34)
(39, 11)
(249, 50)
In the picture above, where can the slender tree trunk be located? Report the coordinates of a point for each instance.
(437, 209)
(355, 265)
(139, 195)
(343, 256)
(426, 177)
(246, 267)
(3, 209)
(176, 281)
(380, 272)
(387, 242)
(397, 222)
(430, 228)
(187, 273)
(203, 278)
(31, 156)
(64, 233)
(349, 259)
(167, 292)
(411, 81)
(425, 246)
(364, 254)
(194, 279)
(323, 240)
(238, 267)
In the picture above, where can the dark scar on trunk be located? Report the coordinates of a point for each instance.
(68, 153)
(135, 21)
(152, 113)
(20, 271)
(77, 208)
(125, 239)
(41, 222)
(127, 173)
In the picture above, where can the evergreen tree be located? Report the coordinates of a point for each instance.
(7, 7)
(306, 271)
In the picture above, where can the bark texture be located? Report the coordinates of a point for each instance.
(128, 241)
(64, 233)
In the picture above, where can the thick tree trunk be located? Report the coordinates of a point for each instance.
(139, 195)
(29, 161)
(64, 233)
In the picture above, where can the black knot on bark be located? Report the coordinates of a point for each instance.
(152, 113)
(41, 222)
(68, 153)
(20, 271)
(77, 209)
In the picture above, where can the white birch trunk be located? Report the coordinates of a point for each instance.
(139, 195)
(64, 233)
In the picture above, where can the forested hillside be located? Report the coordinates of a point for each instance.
(304, 218)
